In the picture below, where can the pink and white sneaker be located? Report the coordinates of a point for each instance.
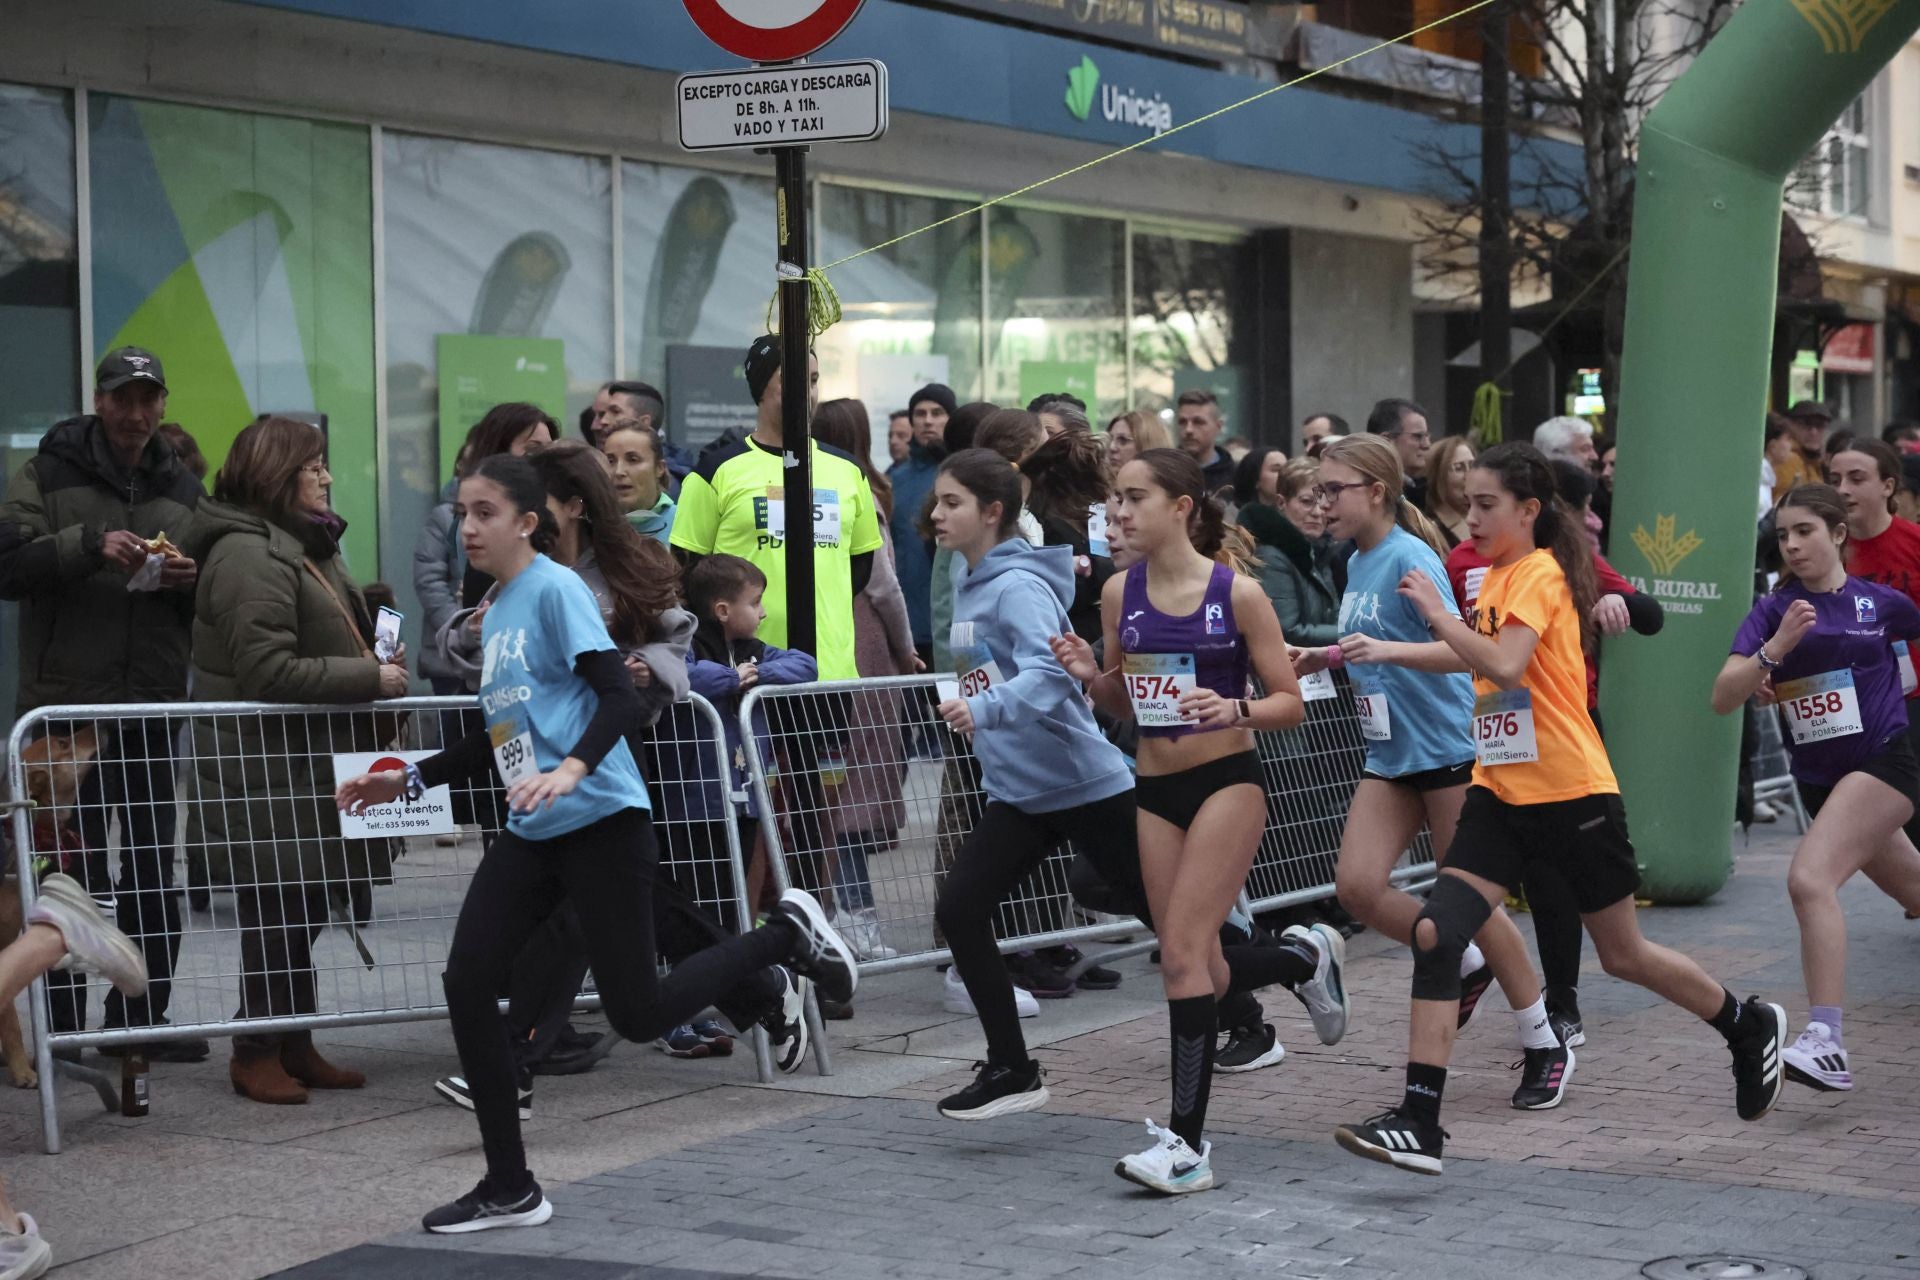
(1817, 1060)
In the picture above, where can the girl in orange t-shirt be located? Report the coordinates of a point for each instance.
(1542, 788)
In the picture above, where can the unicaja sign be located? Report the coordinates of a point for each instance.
(1116, 105)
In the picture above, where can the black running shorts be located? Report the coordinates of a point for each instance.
(1895, 765)
(1177, 797)
(1585, 839)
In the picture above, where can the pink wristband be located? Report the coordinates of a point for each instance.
(1334, 657)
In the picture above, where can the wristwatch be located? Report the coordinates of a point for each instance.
(1246, 712)
(416, 785)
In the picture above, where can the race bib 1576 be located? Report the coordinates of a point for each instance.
(1503, 728)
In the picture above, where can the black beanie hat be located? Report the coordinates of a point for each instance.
(938, 392)
(763, 361)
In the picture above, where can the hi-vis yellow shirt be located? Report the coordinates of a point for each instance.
(735, 504)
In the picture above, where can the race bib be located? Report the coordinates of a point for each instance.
(1318, 687)
(1821, 707)
(826, 515)
(972, 662)
(1909, 664)
(1503, 728)
(1097, 529)
(1475, 578)
(1155, 682)
(512, 751)
(1376, 724)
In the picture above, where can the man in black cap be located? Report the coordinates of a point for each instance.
(74, 529)
(1810, 420)
(928, 408)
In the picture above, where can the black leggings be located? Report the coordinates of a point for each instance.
(1006, 844)
(606, 869)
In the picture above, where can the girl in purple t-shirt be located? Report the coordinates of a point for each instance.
(1821, 646)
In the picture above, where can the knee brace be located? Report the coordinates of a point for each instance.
(1456, 910)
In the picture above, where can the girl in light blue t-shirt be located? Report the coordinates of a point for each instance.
(559, 703)
(1415, 704)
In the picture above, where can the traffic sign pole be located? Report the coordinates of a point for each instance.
(796, 394)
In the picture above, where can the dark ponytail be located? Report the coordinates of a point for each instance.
(1177, 475)
(525, 490)
(989, 478)
(1525, 473)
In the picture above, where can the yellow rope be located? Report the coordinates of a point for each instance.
(1161, 137)
(1484, 428)
(823, 304)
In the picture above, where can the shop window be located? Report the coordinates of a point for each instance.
(911, 311)
(239, 249)
(39, 294)
(1835, 178)
(697, 254)
(500, 259)
(1056, 308)
(1184, 290)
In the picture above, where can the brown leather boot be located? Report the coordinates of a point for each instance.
(304, 1063)
(257, 1074)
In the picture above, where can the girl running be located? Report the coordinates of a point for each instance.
(1542, 788)
(1416, 713)
(558, 703)
(1822, 641)
(1183, 634)
(1048, 774)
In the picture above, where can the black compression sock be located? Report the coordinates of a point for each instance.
(1731, 1022)
(1425, 1085)
(1192, 1022)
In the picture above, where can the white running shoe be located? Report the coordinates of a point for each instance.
(1325, 993)
(1169, 1166)
(93, 943)
(861, 929)
(954, 997)
(822, 955)
(24, 1255)
(1818, 1061)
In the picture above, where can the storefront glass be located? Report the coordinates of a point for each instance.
(1184, 291)
(1056, 308)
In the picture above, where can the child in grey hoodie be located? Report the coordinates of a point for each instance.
(1047, 772)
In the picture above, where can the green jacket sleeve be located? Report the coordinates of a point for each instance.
(35, 557)
(1281, 581)
(942, 610)
(258, 614)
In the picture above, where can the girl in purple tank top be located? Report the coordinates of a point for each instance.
(1181, 635)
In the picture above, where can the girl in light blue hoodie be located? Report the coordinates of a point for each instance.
(1048, 773)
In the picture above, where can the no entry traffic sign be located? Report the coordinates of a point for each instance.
(771, 30)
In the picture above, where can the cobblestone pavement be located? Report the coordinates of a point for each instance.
(1645, 1160)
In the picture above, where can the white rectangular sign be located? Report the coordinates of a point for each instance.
(430, 815)
(781, 106)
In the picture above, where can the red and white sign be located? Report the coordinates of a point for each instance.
(771, 30)
(1849, 350)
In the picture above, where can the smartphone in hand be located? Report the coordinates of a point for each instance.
(386, 633)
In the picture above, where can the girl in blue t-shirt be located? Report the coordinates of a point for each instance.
(559, 703)
(1415, 704)
(1821, 645)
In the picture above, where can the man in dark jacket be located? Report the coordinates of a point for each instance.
(73, 531)
(928, 409)
(1198, 422)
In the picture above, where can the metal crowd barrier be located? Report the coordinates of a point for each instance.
(862, 794)
(144, 804)
(1772, 770)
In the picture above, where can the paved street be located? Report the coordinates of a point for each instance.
(676, 1170)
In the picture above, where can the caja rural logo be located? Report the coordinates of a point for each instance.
(1664, 551)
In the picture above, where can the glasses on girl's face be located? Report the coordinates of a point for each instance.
(1326, 494)
(314, 469)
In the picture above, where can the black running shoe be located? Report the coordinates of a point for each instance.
(998, 1091)
(1566, 1024)
(1250, 1048)
(1759, 1073)
(821, 953)
(1548, 1072)
(454, 1089)
(1098, 978)
(1395, 1138)
(483, 1209)
(786, 1023)
(1472, 987)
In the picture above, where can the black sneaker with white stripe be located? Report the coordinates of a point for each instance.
(483, 1209)
(1759, 1072)
(1395, 1138)
(454, 1089)
(821, 954)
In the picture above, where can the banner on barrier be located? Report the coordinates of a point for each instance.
(430, 815)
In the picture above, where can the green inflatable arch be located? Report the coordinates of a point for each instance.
(1714, 158)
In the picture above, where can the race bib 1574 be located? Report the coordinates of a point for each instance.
(1155, 682)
